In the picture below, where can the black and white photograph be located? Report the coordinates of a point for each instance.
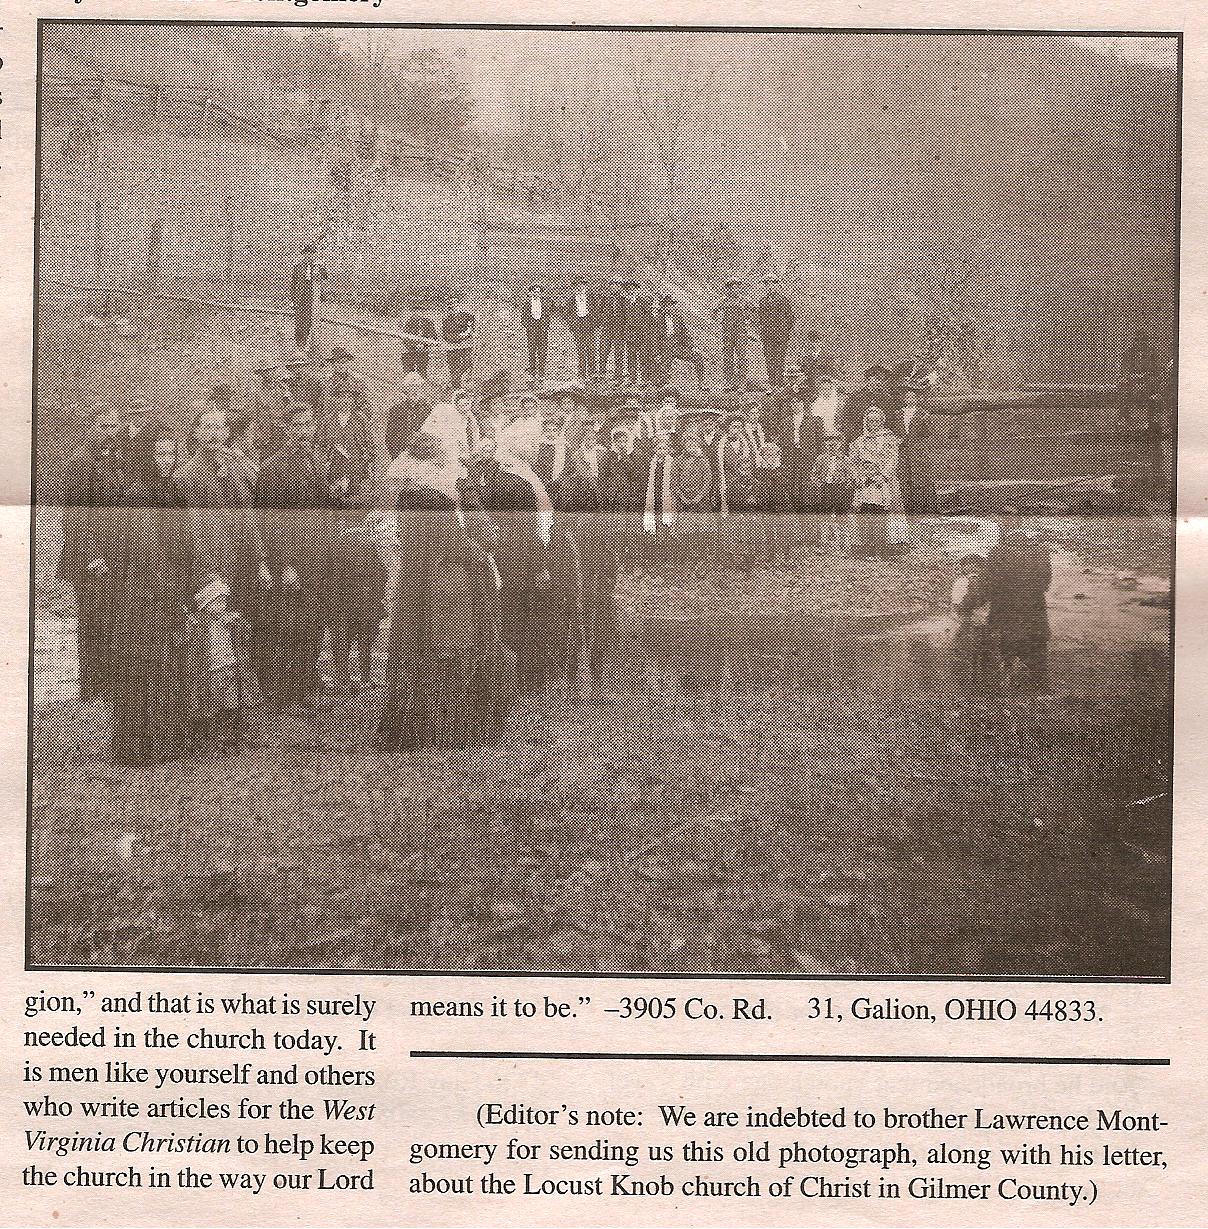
(604, 500)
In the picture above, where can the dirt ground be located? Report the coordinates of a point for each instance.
(829, 807)
(823, 805)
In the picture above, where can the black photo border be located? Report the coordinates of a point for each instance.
(653, 976)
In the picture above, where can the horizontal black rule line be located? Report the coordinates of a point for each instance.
(647, 1056)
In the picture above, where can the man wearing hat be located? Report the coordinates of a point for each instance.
(525, 421)
(621, 472)
(344, 441)
(583, 320)
(815, 366)
(734, 314)
(341, 385)
(877, 393)
(674, 343)
(418, 343)
(293, 498)
(305, 294)
(776, 322)
(303, 382)
(551, 450)
(140, 430)
(457, 332)
(270, 401)
(407, 416)
(631, 333)
(536, 325)
(612, 329)
(95, 488)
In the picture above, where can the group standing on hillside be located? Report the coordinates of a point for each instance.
(217, 564)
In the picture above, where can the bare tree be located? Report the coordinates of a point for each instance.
(668, 83)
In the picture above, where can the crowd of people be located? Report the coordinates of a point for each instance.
(217, 563)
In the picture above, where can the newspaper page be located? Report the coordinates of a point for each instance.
(589, 626)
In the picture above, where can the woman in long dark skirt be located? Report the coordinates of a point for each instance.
(542, 595)
(150, 586)
(437, 694)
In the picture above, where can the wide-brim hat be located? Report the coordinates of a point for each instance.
(212, 591)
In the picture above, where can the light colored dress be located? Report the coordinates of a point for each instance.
(874, 461)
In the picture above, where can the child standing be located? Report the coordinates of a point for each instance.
(228, 686)
(976, 661)
(832, 479)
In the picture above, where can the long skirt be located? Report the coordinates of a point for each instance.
(428, 704)
(493, 687)
(151, 710)
(288, 652)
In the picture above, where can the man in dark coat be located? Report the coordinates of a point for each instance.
(1015, 583)
(816, 365)
(297, 526)
(418, 344)
(457, 332)
(580, 498)
(270, 402)
(876, 393)
(140, 430)
(96, 486)
(776, 322)
(340, 385)
(223, 529)
(408, 415)
(535, 313)
(800, 443)
(622, 472)
(734, 316)
(632, 329)
(305, 294)
(551, 448)
(583, 320)
(612, 330)
(355, 601)
(644, 332)
(344, 442)
(151, 595)
(673, 343)
(305, 388)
